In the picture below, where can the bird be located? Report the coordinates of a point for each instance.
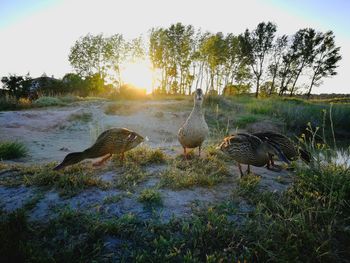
(195, 129)
(287, 146)
(248, 149)
(109, 142)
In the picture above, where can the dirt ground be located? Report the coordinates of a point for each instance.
(50, 133)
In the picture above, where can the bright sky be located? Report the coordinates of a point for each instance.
(36, 36)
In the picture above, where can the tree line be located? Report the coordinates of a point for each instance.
(184, 58)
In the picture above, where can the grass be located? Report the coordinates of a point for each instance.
(143, 155)
(308, 222)
(150, 197)
(47, 101)
(12, 150)
(207, 171)
(243, 121)
(131, 176)
(81, 117)
(110, 199)
(67, 182)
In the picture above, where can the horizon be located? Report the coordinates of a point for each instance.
(37, 35)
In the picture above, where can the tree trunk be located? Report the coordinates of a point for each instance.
(296, 79)
(311, 85)
(257, 87)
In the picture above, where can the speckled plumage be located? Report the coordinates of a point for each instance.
(109, 142)
(245, 148)
(195, 129)
(249, 149)
(287, 146)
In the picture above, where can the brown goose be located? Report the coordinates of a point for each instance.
(195, 129)
(112, 141)
(249, 149)
(287, 146)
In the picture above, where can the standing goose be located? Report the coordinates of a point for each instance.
(287, 146)
(112, 141)
(249, 149)
(195, 129)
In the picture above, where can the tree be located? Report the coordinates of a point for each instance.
(303, 48)
(101, 55)
(171, 51)
(17, 86)
(255, 46)
(213, 50)
(278, 51)
(326, 57)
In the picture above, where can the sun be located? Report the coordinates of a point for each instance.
(139, 74)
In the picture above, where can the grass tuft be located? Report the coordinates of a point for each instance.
(143, 155)
(206, 171)
(12, 150)
(150, 197)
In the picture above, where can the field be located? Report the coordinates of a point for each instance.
(158, 207)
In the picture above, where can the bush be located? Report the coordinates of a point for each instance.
(12, 150)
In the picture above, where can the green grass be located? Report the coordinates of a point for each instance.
(131, 176)
(142, 156)
(112, 199)
(308, 222)
(47, 101)
(206, 171)
(67, 182)
(150, 197)
(243, 121)
(12, 150)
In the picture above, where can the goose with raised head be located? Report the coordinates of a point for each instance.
(195, 129)
(248, 149)
(109, 142)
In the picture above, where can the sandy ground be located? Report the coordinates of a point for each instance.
(50, 134)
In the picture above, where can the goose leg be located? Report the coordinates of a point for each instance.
(199, 151)
(240, 169)
(122, 157)
(248, 169)
(185, 153)
(103, 160)
(271, 159)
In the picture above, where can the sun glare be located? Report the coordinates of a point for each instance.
(138, 74)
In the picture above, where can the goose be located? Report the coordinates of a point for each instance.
(195, 129)
(248, 149)
(109, 142)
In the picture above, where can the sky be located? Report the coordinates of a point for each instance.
(36, 36)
